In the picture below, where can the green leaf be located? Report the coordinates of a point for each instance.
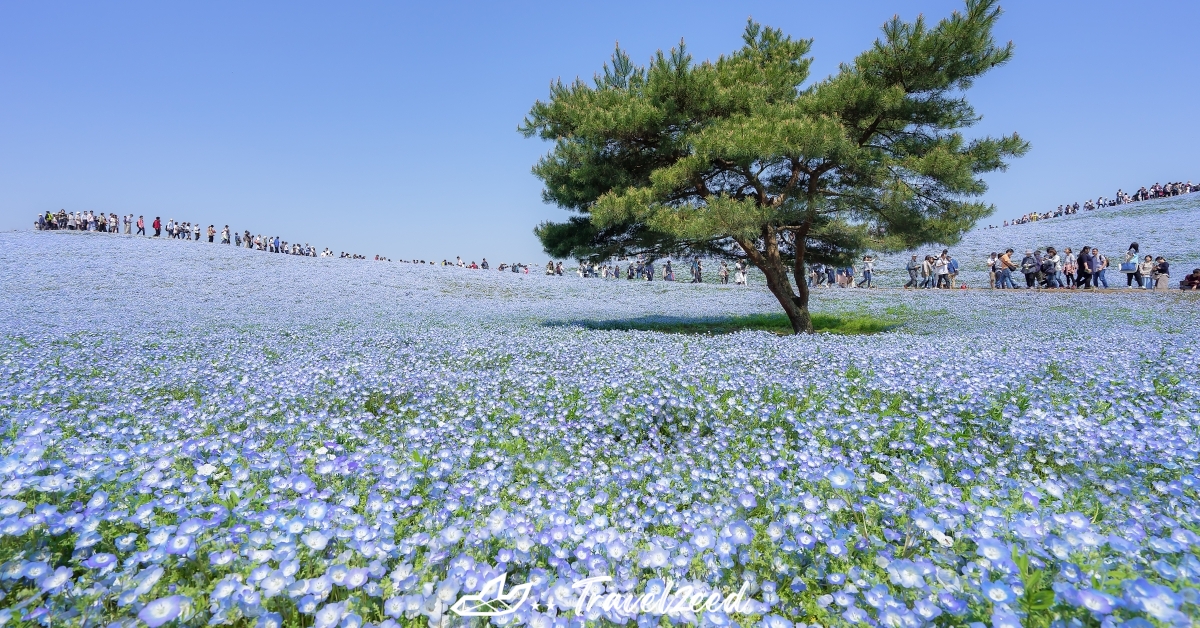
(1040, 601)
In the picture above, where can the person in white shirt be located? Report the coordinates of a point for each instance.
(868, 269)
(940, 271)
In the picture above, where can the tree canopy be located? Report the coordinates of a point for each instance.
(742, 157)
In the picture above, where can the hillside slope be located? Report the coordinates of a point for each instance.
(1166, 227)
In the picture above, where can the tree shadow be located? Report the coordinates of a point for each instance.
(850, 324)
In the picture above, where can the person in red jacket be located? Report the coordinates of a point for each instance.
(157, 226)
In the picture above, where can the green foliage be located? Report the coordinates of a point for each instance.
(1037, 598)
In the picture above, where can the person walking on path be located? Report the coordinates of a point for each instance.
(1052, 267)
(1083, 270)
(1069, 268)
(157, 226)
(1099, 275)
(926, 272)
(868, 268)
(914, 269)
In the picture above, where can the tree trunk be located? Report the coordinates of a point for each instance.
(801, 299)
(771, 264)
(803, 321)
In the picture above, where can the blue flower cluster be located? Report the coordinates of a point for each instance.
(208, 436)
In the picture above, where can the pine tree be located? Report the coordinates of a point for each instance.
(741, 158)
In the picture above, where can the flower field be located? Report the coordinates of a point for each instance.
(193, 434)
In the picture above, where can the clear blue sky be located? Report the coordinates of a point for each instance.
(391, 127)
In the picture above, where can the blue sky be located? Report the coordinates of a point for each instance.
(390, 128)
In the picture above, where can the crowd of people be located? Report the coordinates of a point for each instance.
(1143, 194)
(1048, 269)
(641, 268)
(178, 230)
(1088, 269)
(829, 275)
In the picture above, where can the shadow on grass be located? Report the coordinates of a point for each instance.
(776, 323)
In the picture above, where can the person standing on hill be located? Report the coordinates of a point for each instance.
(939, 271)
(1130, 266)
(157, 226)
(1146, 268)
(1029, 268)
(1162, 274)
(1006, 267)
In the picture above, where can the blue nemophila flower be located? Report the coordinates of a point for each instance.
(102, 562)
(315, 540)
(840, 477)
(329, 615)
(57, 579)
(1096, 601)
(356, 578)
(856, 615)
(906, 574)
(180, 544)
(740, 533)
(35, 570)
(997, 592)
(992, 549)
(775, 621)
(163, 610)
(926, 609)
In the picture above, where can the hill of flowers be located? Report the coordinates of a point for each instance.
(193, 434)
(1158, 226)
